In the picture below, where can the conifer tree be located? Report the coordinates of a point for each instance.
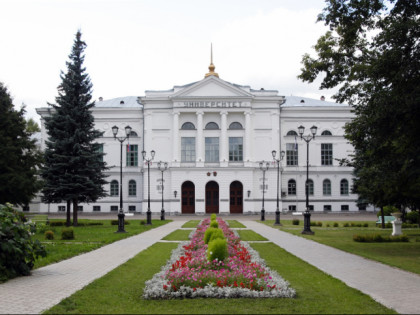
(19, 155)
(73, 170)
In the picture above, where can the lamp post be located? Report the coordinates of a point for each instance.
(162, 167)
(274, 153)
(307, 215)
(263, 168)
(148, 163)
(121, 214)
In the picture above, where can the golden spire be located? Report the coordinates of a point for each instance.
(211, 67)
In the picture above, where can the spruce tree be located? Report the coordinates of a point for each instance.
(19, 155)
(73, 170)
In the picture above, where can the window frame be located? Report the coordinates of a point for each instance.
(132, 156)
(212, 150)
(344, 187)
(187, 148)
(236, 150)
(291, 190)
(327, 154)
(114, 189)
(324, 182)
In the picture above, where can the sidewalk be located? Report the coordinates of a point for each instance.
(390, 286)
(48, 285)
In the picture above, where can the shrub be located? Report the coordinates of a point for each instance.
(212, 233)
(409, 226)
(217, 249)
(41, 228)
(115, 222)
(57, 223)
(214, 224)
(371, 238)
(142, 222)
(328, 225)
(89, 223)
(319, 224)
(335, 224)
(67, 234)
(346, 225)
(295, 222)
(365, 225)
(213, 216)
(18, 251)
(49, 235)
(313, 223)
(388, 225)
(413, 217)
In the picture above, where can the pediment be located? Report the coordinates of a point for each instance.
(211, 87)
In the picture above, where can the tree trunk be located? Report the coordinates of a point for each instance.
(68, 221)
(75, 212)
(383, 217)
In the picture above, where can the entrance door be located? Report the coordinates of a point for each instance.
(212, 197)
(236, 197)
(188, 198)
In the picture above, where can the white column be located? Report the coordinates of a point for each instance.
(247, 157)
(224, 159)
(148, 130)
(175, 135)
(200, 139)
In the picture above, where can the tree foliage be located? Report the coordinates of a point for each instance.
(19, 155)
(73, 163)
(32, 126)
(372, 53)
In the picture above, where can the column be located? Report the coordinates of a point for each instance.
(175, 135)
(224, 159)
(247, 142)
(200, 139)
(148, 130)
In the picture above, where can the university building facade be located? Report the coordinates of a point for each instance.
(214, 135)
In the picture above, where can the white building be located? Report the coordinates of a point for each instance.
(214, 134)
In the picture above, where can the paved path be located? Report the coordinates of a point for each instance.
(390, 286)
(48, 285)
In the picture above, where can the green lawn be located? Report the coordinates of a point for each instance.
(250, 235)
(87, 238)
(402, 255)
(120, 291)
(235, 224)
(178, 235)
(191, 224)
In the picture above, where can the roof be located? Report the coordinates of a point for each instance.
(126, 101)
(295, 101)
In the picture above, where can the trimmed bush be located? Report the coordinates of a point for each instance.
(377, 238)
(89, 223)
(18, 251)
(217, 249)
(328, 225)
(57, 223)
(115, 222)
(67, 234)
(41, 228)
(413, 217)
(214, 224)
(335, 224)
(212, 233)
(142, 222)
(295, 222)
(319, 224)
(49, 235)
(365, 225)
(409, 226)
(346, 225)
(213, 216)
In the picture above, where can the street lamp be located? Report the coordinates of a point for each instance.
(162, 167)
(121, 214)
(263, 168)
(307, 215)
(274, 153)
(148, 163)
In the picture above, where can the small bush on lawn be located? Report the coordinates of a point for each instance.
(18, 251)
(49, 235)
(213, 233)
(142, 222)
(409, 226)
(115, 222)
(377, 238)
(41, 228)
(67, 234)
(295, 222)
(214, 224)
(365, 225)
(346, 225)
(217, 249)
(313, 223)
(89, 223)
(319, 224)
(57, 223)
(335, 224)
(328, 225)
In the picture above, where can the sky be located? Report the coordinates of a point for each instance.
(138, 45)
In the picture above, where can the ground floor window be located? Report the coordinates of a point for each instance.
(327, 207)
(292, 208)
(114, 208)
(61, 208)
(96, 208)
(131, 208)
(344, 207)
(79, 208)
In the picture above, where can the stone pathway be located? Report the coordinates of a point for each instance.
(392, 287)
(48, 285)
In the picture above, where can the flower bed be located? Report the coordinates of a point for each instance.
(188, 273)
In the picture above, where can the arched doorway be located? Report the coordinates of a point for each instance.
(212, 197)
(188, 197)
(236, 197)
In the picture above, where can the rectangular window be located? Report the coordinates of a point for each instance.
(311, 207)
(79, 208)
(326, 154)
(100, 149)
(114, 208)
(292, 208)
(96, 208)
(291, 154)
(344, 207)
(61, 208)
(236, 149)
(132, 155)
(327, 207)
(132, 208)
(212, 150)
(187, 149)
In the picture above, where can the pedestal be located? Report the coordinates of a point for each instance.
(121, 217)
(396, 228)
(307, 224)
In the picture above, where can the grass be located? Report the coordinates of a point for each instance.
(178, 235)
(87, 238)
(250, 235)
(235, 224)
(120, 291)
(402, 255)
(191, 224)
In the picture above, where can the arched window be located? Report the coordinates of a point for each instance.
(326, 133)
(133, 134)
(291, 187)
(132, 188)
(114, 191)
(291, 133)
(188, 126)
(344, 187)
(310, 186)
(326, 187)
(235, 125)
(212, 126)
